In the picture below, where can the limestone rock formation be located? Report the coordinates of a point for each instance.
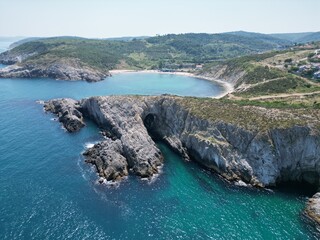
(63, 69)
(122, 119)
(108, 159)
(260, 156)
(9, 58)
(68, 113)
(313, 208)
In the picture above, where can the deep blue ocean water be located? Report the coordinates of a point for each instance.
(48, 192)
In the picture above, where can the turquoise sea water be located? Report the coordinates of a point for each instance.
(48, 192)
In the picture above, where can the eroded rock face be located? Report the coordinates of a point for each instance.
(68, 113)
(129, 145)
(9, 58)
(108, 158)
(61, 70)
(257, 157)
(121, 116)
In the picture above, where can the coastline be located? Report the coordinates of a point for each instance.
(228, 87)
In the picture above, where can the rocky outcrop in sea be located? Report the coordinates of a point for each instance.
(261, 158)
(258, 156)
(62, 69)
(68, 113)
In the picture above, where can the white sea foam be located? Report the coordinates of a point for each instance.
(269, 190)
(241, 184)
(40, 102)
(89, 145)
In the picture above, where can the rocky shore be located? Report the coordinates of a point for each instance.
(68, 113)
(313, 209)
(62, 69)
(283, 147)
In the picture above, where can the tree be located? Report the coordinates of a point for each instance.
(288, 60)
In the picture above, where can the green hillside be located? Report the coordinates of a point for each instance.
(168, 51)
(298, 37)
(256, 75)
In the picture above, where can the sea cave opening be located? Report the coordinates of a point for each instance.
(151, 124)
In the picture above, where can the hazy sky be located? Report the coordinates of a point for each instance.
(111, 18)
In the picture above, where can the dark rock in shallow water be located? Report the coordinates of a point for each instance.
(68, 113)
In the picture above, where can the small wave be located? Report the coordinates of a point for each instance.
(241, 184)
(40, 102)
(155, 176)
(84, 172)
(269, 190)
(89, 145)
(113, 184)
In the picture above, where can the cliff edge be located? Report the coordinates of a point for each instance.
(257, 145)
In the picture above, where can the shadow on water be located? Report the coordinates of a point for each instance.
(296, 188)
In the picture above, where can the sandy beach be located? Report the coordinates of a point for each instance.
(228, 87)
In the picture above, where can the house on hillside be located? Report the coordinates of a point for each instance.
(304, 68)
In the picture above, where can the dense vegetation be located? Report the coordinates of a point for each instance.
(241, 56)
(168, 51)
(298, 37)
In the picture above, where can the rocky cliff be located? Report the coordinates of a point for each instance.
(224, 72)
(272, 151)
(259, 146)
(60, 69)
(68, 113)
(313, 208)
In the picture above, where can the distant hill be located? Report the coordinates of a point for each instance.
(127, 39)
(22, 41)
(313, 37)
(30, 39)
(263, 37)
(167, 51)
(298, 37)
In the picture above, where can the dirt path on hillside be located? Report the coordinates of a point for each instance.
(285, 95)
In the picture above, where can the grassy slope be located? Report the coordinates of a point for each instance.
(250, 115)
(296, 100)
(263, 78)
